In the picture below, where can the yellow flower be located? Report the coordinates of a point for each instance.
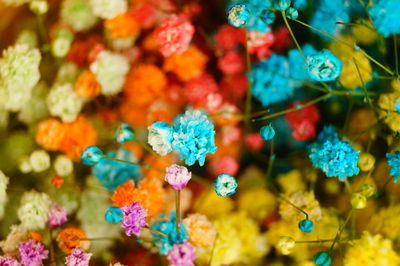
(304, 200)
(386, 222)
(212, 205)
(260, 208)
(371, 250)
(291, 182)
(364, 34)
(201, 231)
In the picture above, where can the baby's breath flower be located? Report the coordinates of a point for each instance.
(35, 109)
(39, 160)
(16, 2)
(3, 194)
(78, 14)
(33, 210)
(110, 70)
(27, 37)
(63, 165)
(63, 101)
(16, 234)
(108, 8)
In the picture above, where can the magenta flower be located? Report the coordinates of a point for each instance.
(32, 253)
(57, 216)
(78, 257)
(182, 255)
(134, 218)
(177, 176)
(8, 261)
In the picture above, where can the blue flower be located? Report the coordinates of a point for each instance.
(168, 227)
(256, 10)
(335, 158)
(269, 80)
(297, 65)
(394, 163)
(193, 136)
(327, 133)
(385, 16)
(267, 132)
(91, 155)
(329, 12)
(113, 173)
(225, 185)
(113, 215)
(323, 66)
(300, 4)
(124, 133)
(322, 258)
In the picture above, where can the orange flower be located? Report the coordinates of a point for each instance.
(80, 135)
(87, 85)
(57, 181)
(79, 51)
(122, 26)
(144, 84)
(133, 114)
(35, 236)
(150, 194)
(71, 237)
(50, 134)
(161, 111)
(135, 148)
(187, 65)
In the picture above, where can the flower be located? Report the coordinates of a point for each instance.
(259, 209)
(385, 222)
(198, 89)
(286, 244)
(200, 229)
(113, 215)
(71, 237)
(384, 16)
(267, 132)
(306, 226)
(32, 253)
(49, 134)
(78, 14)
(322, 258)
(63, 165)
(282, 5)
(182, 254)
(177, 176)
(168, 227)
(39, 160)
(394, 163)
(323, 66)
(86, 85)
(4, 180)
(78, 257)
(122, 26)
(107, 8)
(225, 185)
(174, 35)
(8, 261)
(110, 70)
(160, 137)
(33, 210)
(124, 133)
(193, 136)
(16, 234)
(91, 155)
(304, 200)
(228, 37)
(57, 216)
(64, 102)
(134, 218)
(238, 15)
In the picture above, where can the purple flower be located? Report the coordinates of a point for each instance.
(78, 257)
(134, 218)
(32, 253)
(182, 255)
(57, 216)
(177, 176)
(8, 261)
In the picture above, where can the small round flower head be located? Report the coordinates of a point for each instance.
(160, 137)
(108, 8)
(292, 13)
(32, 253)
(177, 176)
(4, 180)
(306, 226)
(78, 257)
(91, 155)
(267, 16)
(394, 163)
(124, 133)
(193, 136)
(39, 7)
(200, 229)
(322, 258)
(384, 15)
(182, 255)
(110, 70)
(286, 244)
(78, 14)
(282, 5)
(39, 160)
(134, 218)
(63, 101)
(16, 2)
(113, 215)
(323, 66)
(238, 15)
(267, 132)
(57, 216)
(225, 185)
(33, 210)
(358, 201)
(174, 35)
(63, 165)
(8, 261)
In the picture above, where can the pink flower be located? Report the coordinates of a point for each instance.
(174, 35)
(182, 255)
(177, 176)
(226, 164)
(57, 216)
(199, 88)
(232, 63)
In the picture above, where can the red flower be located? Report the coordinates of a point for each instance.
(304, 131)
(228, 37)
(232, 63)
(199, 88)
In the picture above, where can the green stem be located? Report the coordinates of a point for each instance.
(363, 84)
(348, 187)
(396, 58)
(337, 237)
(178, 209)
(156, 231)
(249, 89)
(293, 37)
(270, 165)
(294, 206)
(212, 250)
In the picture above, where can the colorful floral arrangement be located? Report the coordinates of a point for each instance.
(163, 132)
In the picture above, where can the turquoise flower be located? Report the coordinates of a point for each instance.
(323, 66)
(394, 163)
(385, 16)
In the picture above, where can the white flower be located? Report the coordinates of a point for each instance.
(16, 235)
(110, 70)
(108, 8)
(63, 101)
(63, 165)
(25, 165)
(39, 160)
(67, 73)
(3, 193)
(78, 14)
(35, 109)
(160, 137)
(28, 37)
(33, 210)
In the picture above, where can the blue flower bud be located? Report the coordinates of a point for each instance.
(91, 155)
(292, 13)
(113, 215)
(267, 16)
(323, 66)
(322, 258)
(267, 132)
(306, 226)
(282, 5)
(238, 15)
(225, 185)
(124, 133)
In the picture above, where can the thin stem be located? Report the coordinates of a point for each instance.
(363, 84)
(212, 250)
(270, 165)
(249, 89)
(293, 37)
(348, 187)
(52, 257)
(294, 206)
(156, 231)
(123, 161)
(314, 241)
(178, 209)
(396, 58)
(337, 237)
